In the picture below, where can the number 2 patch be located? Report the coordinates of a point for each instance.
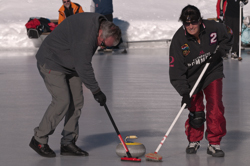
(213, 38)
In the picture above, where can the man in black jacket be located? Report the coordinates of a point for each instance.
(195, 43)
(64, 62)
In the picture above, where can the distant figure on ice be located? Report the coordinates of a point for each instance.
(64, 62)
(67, 9)
(192, 46)
(229, 11)
(105, 8)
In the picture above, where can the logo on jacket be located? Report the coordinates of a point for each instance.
(185, 49)
(202, 52)
(229, 30)
(171, 61)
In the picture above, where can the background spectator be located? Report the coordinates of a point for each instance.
(67, 9)
(231, 19)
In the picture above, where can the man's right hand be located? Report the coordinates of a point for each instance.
(100, 98)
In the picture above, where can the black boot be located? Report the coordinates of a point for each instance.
(42, 149)
(72, 150)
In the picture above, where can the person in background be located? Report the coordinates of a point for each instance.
(230, 11)
(220, 9)
(67, 9)
(64, 62)
(104, 7)
(195, 43)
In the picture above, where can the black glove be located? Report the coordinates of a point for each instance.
(221, 17)
(216, 56)
(186, 99)
(244, 1)
(100, 98)
(220, 20)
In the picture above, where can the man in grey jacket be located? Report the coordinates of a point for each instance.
(64, 62)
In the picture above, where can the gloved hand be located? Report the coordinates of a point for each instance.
(216, 55)
(244, 2)
(221, 17)
(100, 98)
(220, 20)
(186, 99)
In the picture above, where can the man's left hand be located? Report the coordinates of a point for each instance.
(216, 55)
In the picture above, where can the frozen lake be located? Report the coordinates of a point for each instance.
(141, 100)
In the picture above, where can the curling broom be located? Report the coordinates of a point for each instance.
(129, 158)
(155, 156)
(240, 19)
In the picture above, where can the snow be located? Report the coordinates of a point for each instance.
(139, 20)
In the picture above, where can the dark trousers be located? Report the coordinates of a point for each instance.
(109, 17)
(233, 23)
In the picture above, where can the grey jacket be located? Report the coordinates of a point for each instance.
(70, 47)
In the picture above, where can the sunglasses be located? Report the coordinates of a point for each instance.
(103, 44)
(194, 22)
(66, 1)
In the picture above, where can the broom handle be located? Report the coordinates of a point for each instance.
(182, 108)
(241, 6)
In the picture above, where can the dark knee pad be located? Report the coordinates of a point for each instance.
(196, 119)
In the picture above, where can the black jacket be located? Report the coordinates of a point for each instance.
(187, 57)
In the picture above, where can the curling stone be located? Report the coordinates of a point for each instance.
(136, 149)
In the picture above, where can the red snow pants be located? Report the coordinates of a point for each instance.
(215, 120)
